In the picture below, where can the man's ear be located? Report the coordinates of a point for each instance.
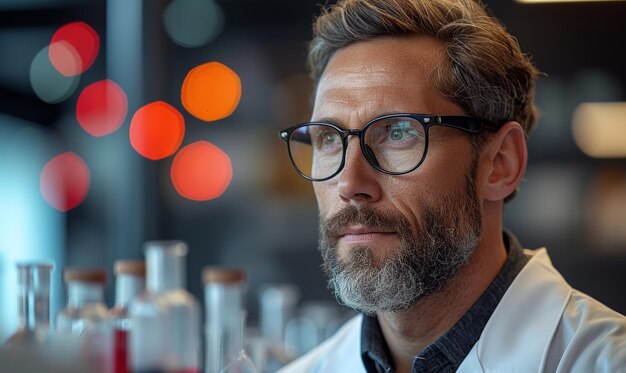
(503, 162)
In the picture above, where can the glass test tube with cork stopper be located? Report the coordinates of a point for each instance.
(84, 324)
(223, 289)
(129, 283)
(165, 319)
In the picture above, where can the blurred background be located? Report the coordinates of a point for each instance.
(573, 198)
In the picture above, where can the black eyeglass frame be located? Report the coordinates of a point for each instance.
(460, 122)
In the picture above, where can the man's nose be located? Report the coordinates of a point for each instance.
(358, 181)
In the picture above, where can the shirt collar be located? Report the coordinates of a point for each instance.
(448, 352)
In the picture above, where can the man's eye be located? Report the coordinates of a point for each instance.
(401, 131)
(330, 138)
(396, 134)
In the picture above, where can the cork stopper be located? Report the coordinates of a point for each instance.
(223, 275)
(130, 267)
(40, 265)
(85, 275)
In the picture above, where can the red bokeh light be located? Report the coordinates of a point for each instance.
(101, 108)
(201, 171)
(157, 130)
(73, 48)
(64, 181)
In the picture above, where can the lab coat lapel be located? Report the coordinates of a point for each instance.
(518, 334)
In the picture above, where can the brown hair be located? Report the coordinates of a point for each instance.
(486, 73)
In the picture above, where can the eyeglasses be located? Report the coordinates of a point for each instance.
(394, 144)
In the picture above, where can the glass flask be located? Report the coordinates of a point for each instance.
(277, 307)
(33, 282)
(165, 319)
(223, 291)
(129, 282)
(316, 321)
(84, 324)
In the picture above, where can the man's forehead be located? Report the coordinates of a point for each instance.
(384, 62)
(380, 76)
(359, 75)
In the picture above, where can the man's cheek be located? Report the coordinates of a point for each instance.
(324, 202)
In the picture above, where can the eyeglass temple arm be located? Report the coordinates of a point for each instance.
(465, 123)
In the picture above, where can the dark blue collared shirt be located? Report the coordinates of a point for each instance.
(448, 352)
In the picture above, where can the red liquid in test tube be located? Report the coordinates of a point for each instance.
(120, 352)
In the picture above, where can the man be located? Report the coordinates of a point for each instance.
(418, 136)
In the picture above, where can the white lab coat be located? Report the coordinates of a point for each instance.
(540, 325)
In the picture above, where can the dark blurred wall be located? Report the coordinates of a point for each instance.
(267, 219)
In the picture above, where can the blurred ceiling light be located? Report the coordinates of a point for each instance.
(157, 130)
(193, 23)
(211, 91)
(600, 129)
(201, 171)
(74, 48)
(64, 181)
(101, 108)
(48, 84)
(565, 1)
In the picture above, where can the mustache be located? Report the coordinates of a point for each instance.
(332, 227)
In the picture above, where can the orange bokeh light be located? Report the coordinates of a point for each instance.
(157, 130)
(201, 171)
(101, 108)
(64, 181)
(211, 91)
(74, 48)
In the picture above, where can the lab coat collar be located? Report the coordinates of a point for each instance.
(518, 335)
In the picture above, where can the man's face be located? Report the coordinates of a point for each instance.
(388, 240)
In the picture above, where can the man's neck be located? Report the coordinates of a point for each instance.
(409, 332)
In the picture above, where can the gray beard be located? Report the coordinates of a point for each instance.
(424, 261)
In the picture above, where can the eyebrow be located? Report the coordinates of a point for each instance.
(326, 120)
(331, 120)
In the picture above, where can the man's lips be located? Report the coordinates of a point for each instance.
(361, 234)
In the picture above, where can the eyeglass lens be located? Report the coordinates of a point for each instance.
(393, 144)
